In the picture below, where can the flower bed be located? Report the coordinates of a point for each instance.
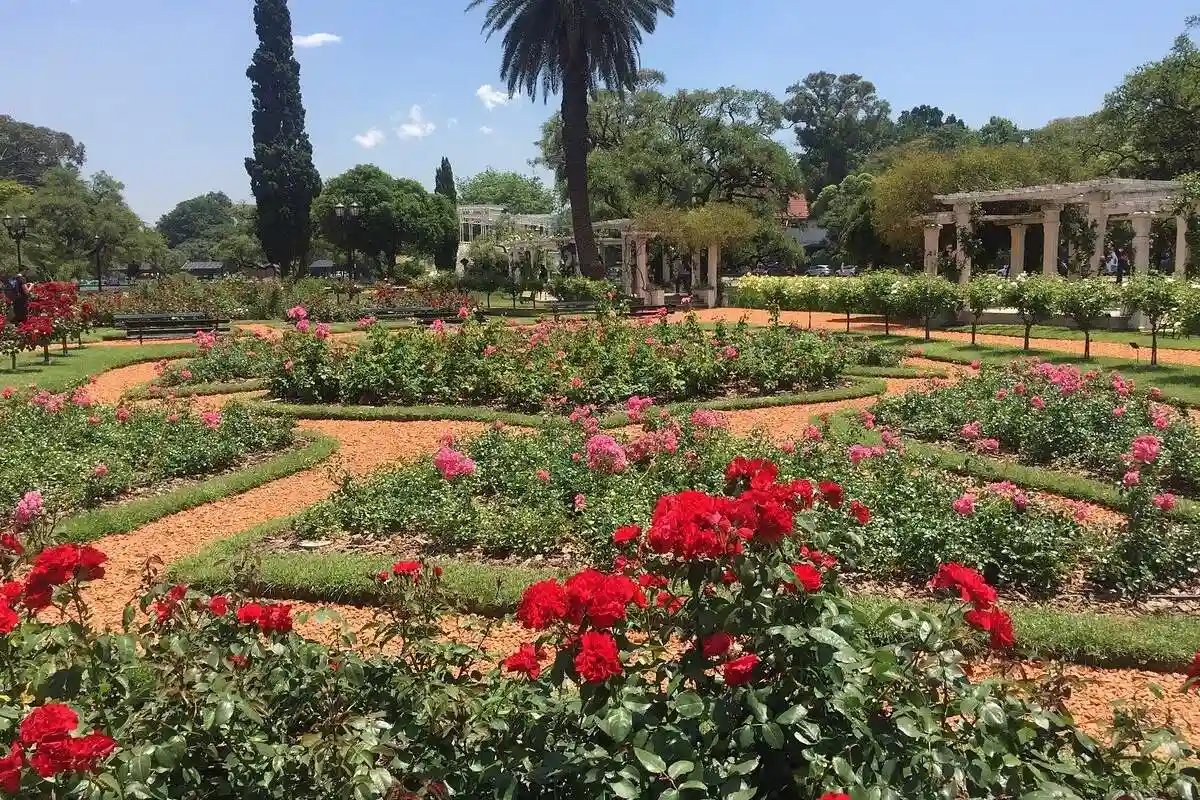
(226, 358)
(556, 365)
(1048, 414)
(558, 493)
(719, 657)
(78, 455)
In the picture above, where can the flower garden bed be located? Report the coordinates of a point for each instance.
(79, 455)
(1056, 414)
(561, 365)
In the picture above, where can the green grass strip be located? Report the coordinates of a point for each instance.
(124, 517)
(197, 389)
(1160, 642)
(1165, 341)
(65, 371)
(894, 372)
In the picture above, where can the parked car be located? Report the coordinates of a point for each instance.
(819, 271)
(847, 271)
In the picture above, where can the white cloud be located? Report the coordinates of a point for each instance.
(371, 138)
(452, 122)
(315, 39)
(492, 97)
(417, 126)
(486, 131)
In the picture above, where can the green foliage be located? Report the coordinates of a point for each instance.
(225, 359)
(845, 211)
(602, 362)
(927, 296)
(196, 218)
(1156, 298)
(1033, 296)
(446, 253)
(1086, 302)
(517, 193)
(979, 295)
(28, 151)
(839, 120)
(85, 455)
(282, 176)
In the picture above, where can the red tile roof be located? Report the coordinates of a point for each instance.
(797, 207)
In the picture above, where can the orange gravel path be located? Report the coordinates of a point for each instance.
(111, 385)
(366, 446)
(867, 324)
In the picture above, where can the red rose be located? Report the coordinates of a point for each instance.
(219, 605)
(598, 658)
(239, 662)
(542, 604)
(626, 534)
(716, 645)
(807, 576)
(47, 723)
(10, 769)
(835, 796)
(740, 670)
(9, 541)
(526, 661)
(996, 622)
(82, 754)
(601, 598)
(411, 569)
(761, 472)
(831, 493)
(860, 512)
(250, 614)
(972, 588)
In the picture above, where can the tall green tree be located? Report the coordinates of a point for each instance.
(443, 184)
(519, 194)
(27, 151)
(574, 47)
(839, 120)
(202, 217)
(282, 175)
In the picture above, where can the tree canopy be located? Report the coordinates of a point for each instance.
(519, 194)
(839, 120)
(28, 151)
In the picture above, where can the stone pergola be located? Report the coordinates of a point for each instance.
(1105, 199)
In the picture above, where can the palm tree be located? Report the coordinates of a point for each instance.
(573, 45)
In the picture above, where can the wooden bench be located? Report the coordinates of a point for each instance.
(169, 326)
(647, 311)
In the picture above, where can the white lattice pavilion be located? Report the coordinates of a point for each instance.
(1105, 200)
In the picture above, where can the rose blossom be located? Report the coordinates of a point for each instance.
(452, 464)
(740, 670)
(211, 420)
(28, 508)
(964, 505)
(972, 430)
(1165, 502)
(1145, 449)
(1131, 478)
(100, 470)
(1038, 403)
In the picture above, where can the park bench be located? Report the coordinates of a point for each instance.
(647, 311)
(169, 326)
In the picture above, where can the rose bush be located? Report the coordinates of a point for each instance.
(79, 454)
(222, 358)
(520, 499)
(602, 362)
(1046, 413)
(717, 658)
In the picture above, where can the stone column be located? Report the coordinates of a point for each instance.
(642, 265)
(962, 221)
(1141, 242)
(1050, 227)
(932, 233)
(1096, 214)
(1016, 259)
(714, 258)
(627, 268)
(1181, 247)
(694, 279)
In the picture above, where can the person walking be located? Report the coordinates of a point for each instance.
(18, 298)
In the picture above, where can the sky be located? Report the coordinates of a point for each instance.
(156, 89)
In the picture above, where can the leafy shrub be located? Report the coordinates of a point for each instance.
(79, 454)
(601, 362)
(222, 359)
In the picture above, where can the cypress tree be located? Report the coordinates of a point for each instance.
(282, 175)
(443, 184)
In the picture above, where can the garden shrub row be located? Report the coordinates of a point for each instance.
(79, 454)
(560, 365)
(559, 492)
(719, 657)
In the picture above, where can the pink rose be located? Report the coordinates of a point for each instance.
(965, 505)
(1165, 501)
(1132, 478)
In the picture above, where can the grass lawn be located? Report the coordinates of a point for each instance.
(1179, 382)
(65, 371)
(1052, 332)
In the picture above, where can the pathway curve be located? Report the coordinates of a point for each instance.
(367, 446)
(867, 324)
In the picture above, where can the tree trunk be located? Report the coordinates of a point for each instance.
(974, 325)
(575, 154)
(1087, 345)
(887, 325)
(928, 324)
(1028, 327)
(1154, 345)
(847, 322)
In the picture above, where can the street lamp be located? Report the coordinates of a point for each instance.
(97, 246)
(347, 217)
(17, 230)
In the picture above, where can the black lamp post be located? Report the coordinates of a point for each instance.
(97, 247)
(347, 217)
(18, 229)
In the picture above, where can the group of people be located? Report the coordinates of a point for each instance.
(17, 297)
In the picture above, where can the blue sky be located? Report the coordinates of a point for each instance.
(157, 91)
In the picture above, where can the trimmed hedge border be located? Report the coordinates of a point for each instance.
(895, 372)
(196, 390)
(1158, 642)
(89, 526)
(856, 387)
